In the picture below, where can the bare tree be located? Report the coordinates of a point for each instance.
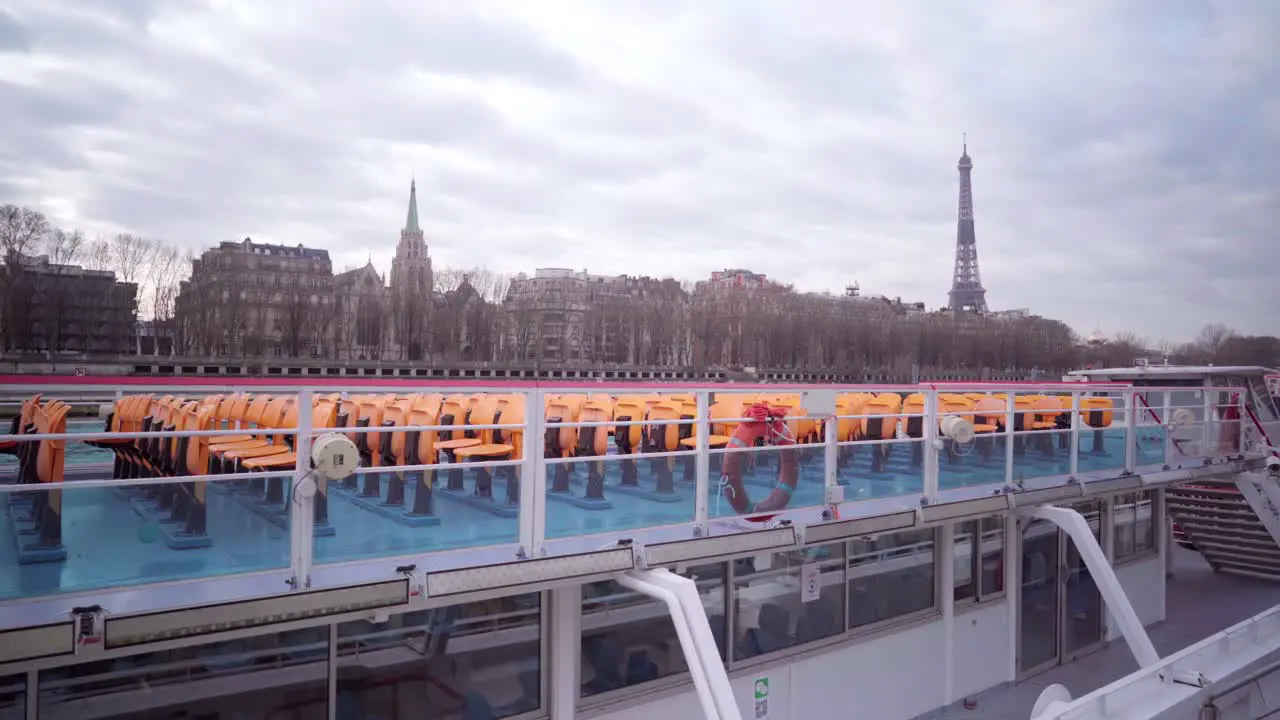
(489, 285)
(22, 230)
(97, 255)
(295, 319)
(130, 255)
(449, 279)
(1212, 339)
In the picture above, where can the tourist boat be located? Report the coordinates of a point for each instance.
(387, 548)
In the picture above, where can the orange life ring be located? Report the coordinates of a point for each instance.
(764, 424)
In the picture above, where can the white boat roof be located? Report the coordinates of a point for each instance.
(1167, 370)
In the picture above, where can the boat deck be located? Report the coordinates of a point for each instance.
(1192, 590)
(110, 543)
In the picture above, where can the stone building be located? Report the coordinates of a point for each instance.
(561, 315)
(247, 299)
(68, 309)
(412, 288)
(250, 299)
(363, 322)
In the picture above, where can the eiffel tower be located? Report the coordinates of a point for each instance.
(967, 293)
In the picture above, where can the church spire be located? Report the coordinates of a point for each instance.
(411, 223)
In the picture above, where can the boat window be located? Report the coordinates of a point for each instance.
(628, 638)
(979, 575)
(775, 607)
(1168, 382)
(892, 577)
(479, 659)
(1134, 524)
(273, 675)
(13, 696)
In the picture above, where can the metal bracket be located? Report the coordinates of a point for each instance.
(417, 580)
(88, 624)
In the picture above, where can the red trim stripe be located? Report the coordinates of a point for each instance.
(583, 383)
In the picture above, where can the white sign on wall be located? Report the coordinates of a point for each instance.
(810, 582)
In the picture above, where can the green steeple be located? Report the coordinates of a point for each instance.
(411, 223)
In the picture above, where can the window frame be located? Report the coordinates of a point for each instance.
(909, 618)
(849, 636)
(731, 639)
(34, 670)
(668, 683)
(1156, 524)
(980, 596)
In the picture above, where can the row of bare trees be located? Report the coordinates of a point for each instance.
(471, 315)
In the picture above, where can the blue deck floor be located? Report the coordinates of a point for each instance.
(109, 544)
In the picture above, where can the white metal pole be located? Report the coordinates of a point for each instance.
(1130, 430)
(702, 463)
(1075, 434)
(930, 440)
(533, 476)
(1010, 406)
(302, 504)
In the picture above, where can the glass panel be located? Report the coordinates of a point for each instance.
(604, 494)
(1151, 431)
(1144, 534)
(78, 454)
(966, 581)
(272, 675)
(1083, 621)
(891, 576)
(992, 565)
(763, 480)
(79, 539)
(13, 697)
(628, 638)
(1083, 610)
(477, 660)
(881, 468)
(1102, 433)
(1038, 636)
(1124, 521)
(1041, 439)
(388, 513)
(1264, 403)
(770, 608)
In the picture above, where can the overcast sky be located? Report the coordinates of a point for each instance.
(1126, 167)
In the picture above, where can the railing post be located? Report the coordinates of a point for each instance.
(1075, 434)
(831, 453)
(1244, 412)
(1166, 418)
(533, 476)
(302, 504)
(1010, 405)
(1130, 430)
(1206, 442)
(930, 440)
(702, 462)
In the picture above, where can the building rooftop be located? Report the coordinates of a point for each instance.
(249, 246)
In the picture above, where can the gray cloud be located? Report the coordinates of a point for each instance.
(1125, 174)
(14, 36)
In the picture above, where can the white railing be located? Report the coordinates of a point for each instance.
(855, 457)
(1181, 684)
